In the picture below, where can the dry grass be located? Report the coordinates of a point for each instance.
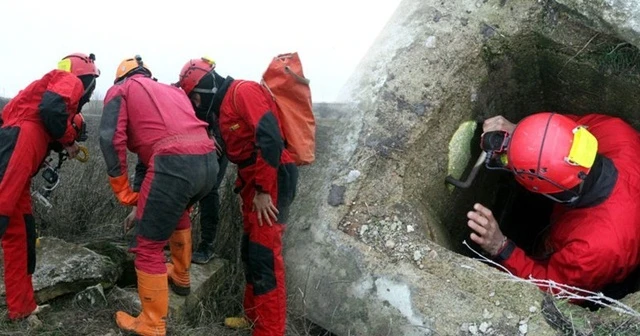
(84, 209)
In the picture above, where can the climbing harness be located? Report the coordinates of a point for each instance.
(51, 176)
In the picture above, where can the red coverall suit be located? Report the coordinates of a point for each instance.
(600, 245)
(37, 116)
(156, 122)
(250, 128)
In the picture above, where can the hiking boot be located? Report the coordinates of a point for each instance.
(203, 254)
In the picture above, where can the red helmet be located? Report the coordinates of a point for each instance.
(193, 71)
(550, 153)
(79, 64)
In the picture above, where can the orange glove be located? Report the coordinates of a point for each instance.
(123, 191)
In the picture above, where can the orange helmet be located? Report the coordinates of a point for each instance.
(79, 64)
(550, 153)
(193, 71)
(130, 65)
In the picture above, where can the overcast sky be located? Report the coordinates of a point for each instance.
(331, 37)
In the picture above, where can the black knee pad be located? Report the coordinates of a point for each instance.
(260, 267)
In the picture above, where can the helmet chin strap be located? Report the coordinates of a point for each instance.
(213, 90)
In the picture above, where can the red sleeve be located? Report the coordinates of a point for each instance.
(113, 132)
(577, 264)
(254, 107)
(58, 105)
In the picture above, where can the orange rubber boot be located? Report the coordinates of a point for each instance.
(154, 297)
(178, 270)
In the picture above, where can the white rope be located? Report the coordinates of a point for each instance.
(558, 290)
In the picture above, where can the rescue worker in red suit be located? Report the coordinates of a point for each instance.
(267, 176)
(177, 165)
(590, 166)
(44, 116)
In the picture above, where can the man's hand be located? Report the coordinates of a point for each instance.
(264, 206)
(72, 150)
(498, 123)
(130, 220)
(487, 233)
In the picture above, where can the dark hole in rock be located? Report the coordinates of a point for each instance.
(549, 70)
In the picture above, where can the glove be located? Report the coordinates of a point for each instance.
(123, 191)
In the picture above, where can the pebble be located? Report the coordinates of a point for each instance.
(473, 329)
(523, 328)
(431, 42)
(390, 244)
(533, 309)
(484, 326)
(353, 175)
(363, 229)
(417, 255)
(486, 314)
(410, 228)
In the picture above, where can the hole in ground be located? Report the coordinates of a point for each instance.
(567, 69)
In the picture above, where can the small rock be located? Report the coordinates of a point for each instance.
(484, 326)
(486, 314)
(497, 303)
(92, 296)
(34, 322)
(421, 266)
(410, 228)
(394, 227)
(523, 329)
(433, 254)
(431, 42)
(417, 255)
(492, 294)
(363, 229)
(353, 175)
(390, 244)
(401, 249)
(395, 218)
(473, 329)
(336, 195)
(533, 309)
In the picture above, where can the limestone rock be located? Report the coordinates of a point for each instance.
(63, 268)
(621, 17)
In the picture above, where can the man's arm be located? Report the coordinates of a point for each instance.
(113, 143)
(254, 107)
(62, 95)
(577, 264)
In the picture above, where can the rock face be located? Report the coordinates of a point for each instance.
(610, 16)
(382, 254)
(63, 268)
